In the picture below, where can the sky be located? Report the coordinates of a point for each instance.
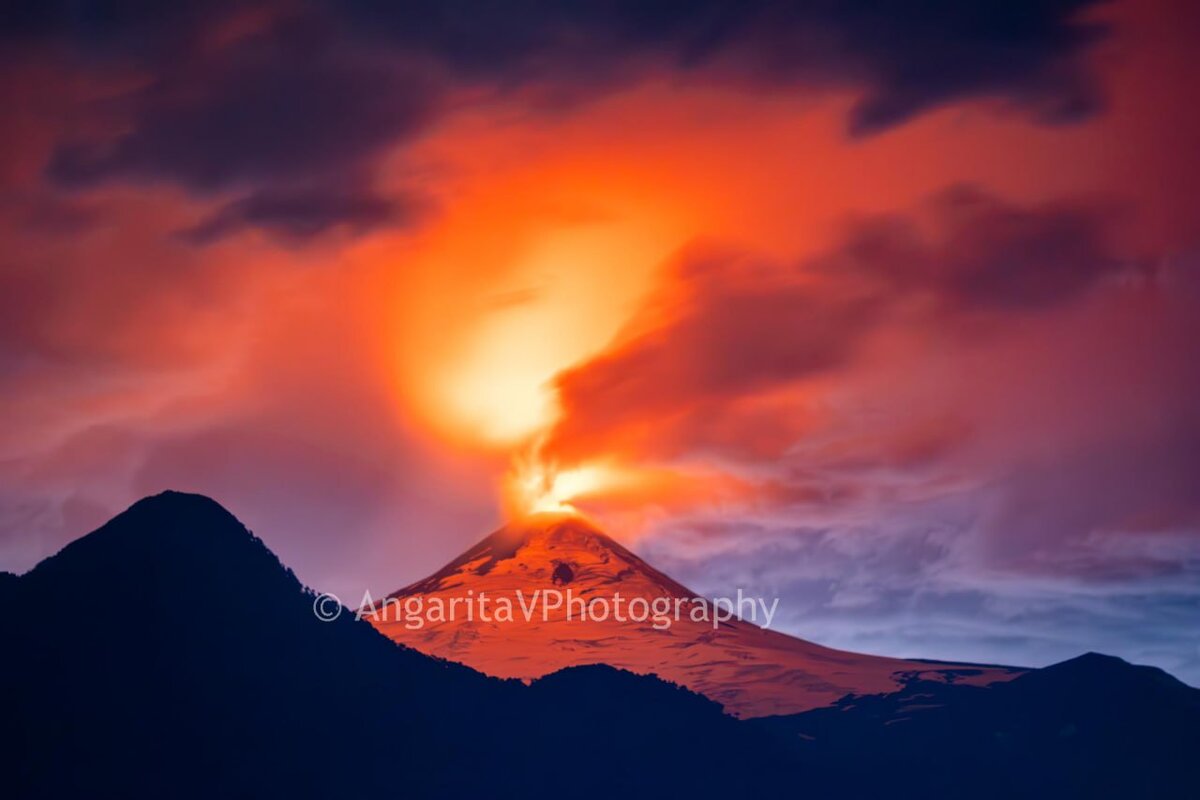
(889, 311)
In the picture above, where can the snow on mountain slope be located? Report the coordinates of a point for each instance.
(751, 671)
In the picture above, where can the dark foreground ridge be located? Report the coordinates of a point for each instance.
(170, 654)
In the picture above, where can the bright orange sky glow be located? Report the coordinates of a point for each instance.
(686, 286)
(548, 233)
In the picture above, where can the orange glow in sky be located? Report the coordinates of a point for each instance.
(526, 273)
(666, 278)
(549, 233)
(534, 486)
(567, 298)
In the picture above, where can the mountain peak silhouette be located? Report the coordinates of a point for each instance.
(164, 552)
(1100, 673)
(162, 526)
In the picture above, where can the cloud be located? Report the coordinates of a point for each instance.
(280, 104)
(722, 326)
(248, 102)
(274, 111)
(297, 214)
(983, 443)
(1023, 53)
(986, 254)
(905, 60)
(896, 589)
(965, 430)
(726, 328)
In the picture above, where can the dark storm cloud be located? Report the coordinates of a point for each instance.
(923, 55)
(265, 110)
(256, 97)
(908, 57)
(274, 107)
(109, 27)
(302, 212)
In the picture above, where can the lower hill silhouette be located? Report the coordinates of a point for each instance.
(1093, 726)
(170, 655)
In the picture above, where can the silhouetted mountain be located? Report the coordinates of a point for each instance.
(1093, 726)
(169, 652)
(170, 655)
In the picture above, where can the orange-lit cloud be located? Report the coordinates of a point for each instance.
(791, 314)
(521, 275)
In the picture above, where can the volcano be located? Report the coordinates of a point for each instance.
(751, 671)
